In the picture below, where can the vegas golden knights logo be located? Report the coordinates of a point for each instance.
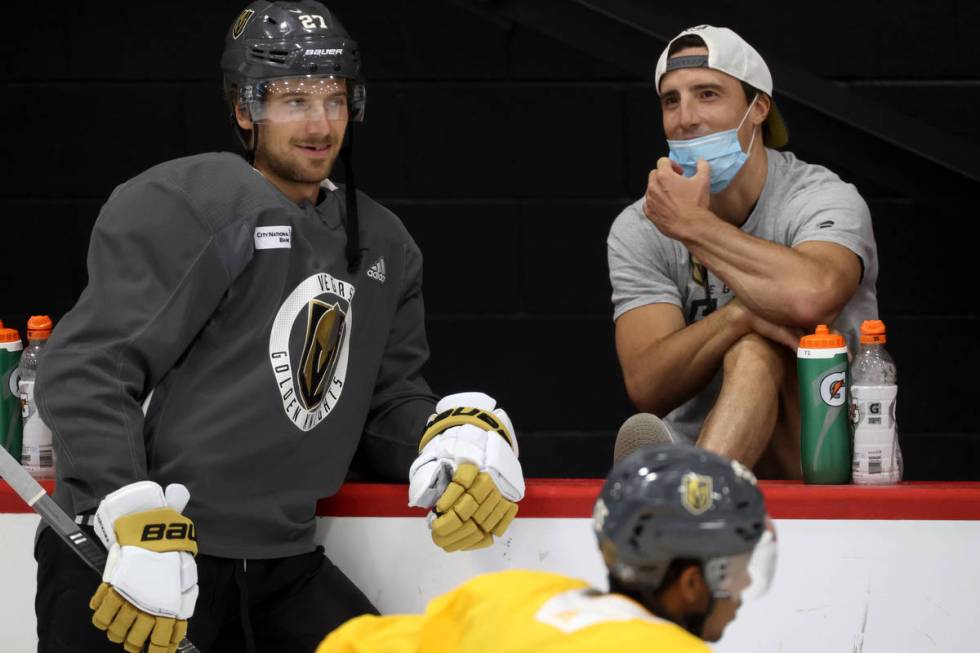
(702, 307)
(698, 272)
(319, 316)
(696, 493)
(240, 24)
(326, 327)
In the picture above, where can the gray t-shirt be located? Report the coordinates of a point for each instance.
(800, 202)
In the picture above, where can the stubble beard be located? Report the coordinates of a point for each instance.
(292, 168)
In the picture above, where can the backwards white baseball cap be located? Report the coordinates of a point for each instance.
(730, 54)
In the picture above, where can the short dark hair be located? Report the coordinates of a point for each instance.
(695, 41)
(686, 41)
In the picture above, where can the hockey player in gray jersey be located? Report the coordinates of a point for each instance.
(248, 329)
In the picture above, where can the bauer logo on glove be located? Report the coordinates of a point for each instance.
(177, 527)
(467, 471)
(465, 415)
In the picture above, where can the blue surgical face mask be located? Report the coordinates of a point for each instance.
(721, 150)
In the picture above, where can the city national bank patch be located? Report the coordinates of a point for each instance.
(274, 237)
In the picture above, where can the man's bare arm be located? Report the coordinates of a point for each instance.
(801, 286)
(665, 363)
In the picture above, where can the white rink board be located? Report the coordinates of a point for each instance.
(849, 586)
(18, 572)
(841, 586)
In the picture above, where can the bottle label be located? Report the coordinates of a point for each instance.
(38, 461)
(877, 456)
(37, 455)
(25, 390)
(820, 352)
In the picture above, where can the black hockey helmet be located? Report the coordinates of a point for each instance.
(275, 40)
(672, 501)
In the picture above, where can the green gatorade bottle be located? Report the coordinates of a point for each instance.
(825, 435)
(11, 425)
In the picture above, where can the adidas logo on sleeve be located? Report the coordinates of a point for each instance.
(377, 270)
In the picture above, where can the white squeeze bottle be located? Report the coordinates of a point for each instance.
(874, 390)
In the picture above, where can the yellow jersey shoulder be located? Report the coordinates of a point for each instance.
(545, 613)
(517, 612)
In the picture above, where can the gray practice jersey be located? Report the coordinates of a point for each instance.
(800, 202)
(266, 359)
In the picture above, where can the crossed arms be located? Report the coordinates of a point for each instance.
(779, 290)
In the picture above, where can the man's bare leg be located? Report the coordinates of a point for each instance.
(754, 419)
(781, 459)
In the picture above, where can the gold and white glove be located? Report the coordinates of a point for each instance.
(467, 471)
(149, 583)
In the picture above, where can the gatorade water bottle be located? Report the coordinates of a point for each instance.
(825, 434)
(10, 422)
(37, 455)
(874, 389)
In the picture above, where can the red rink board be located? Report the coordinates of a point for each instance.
(574, 498)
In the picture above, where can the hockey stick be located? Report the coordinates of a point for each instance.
(35, 497)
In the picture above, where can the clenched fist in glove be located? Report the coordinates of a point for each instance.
(150, 579)
(467, 471)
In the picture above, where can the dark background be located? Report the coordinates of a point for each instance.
(508, 143)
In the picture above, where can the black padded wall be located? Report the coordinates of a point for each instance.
(508, 154)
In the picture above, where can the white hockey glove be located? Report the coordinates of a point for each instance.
(468, 472)
(150, 579)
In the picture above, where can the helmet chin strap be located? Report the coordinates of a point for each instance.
(250, 151)
(353, 248)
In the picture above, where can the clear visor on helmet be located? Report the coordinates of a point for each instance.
(748, 576)
(302, 98)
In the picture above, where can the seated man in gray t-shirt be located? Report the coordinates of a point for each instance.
(733, 252)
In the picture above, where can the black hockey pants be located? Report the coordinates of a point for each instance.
(282, 605)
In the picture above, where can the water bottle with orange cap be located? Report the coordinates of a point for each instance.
(825, 434)
(10, 423)
(874, 391)
(37, 455)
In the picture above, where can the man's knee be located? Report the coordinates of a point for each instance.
(753, 354)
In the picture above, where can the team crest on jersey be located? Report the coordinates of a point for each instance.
(240, 24)
(696, 493)
(309, 346)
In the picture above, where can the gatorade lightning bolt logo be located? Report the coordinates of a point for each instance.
(832, 388)
(309, 346)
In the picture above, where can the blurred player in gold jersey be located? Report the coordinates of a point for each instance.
(685, 537)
